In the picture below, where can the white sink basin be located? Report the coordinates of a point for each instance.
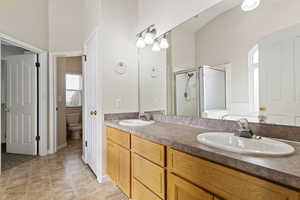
(230, 142)
(135, 122)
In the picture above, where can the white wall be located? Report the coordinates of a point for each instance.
(91, 12)
(119, 21)
(65, 25)
(183, 49)
(230, 36)
(25, 20)
(169, 13)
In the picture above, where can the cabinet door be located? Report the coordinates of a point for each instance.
(178, 189)
(124, 170)
(112, 161)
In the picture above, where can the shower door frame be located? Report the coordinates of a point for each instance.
(195, 70)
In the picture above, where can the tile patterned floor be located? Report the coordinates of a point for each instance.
(62, 176)
(10, 161)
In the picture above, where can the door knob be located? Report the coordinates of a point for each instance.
(93, 112)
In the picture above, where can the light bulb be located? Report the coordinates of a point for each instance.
(164, 44)
(149, 38)
(156, 46)
(140, 43)
(249, 5)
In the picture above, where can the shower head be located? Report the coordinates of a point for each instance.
(189, 75)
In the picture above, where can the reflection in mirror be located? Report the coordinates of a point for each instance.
(229, 64)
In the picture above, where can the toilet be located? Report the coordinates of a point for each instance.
(74, 126)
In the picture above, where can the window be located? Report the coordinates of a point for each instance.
(254, 79)
(73, 90)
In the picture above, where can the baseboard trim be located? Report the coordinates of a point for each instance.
(105, 178)
(61, 146)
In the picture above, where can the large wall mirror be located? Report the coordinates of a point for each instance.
(228, 64)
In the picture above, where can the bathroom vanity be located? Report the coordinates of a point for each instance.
(165, 161)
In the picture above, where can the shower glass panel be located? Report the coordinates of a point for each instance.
(214, 88)
(187, 101)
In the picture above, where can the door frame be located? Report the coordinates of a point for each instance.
(53, 95)
(43, 90)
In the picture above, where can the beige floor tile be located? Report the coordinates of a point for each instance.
(62, 176)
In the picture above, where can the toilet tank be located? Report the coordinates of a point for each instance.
(73, 118)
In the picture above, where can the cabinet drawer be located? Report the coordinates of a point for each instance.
(179, 189)
(140, 192)
(149, 174)
(152, 151)
(225, 182)
(119, 137)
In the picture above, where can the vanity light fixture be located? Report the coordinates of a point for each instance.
(156, 46)
(140, 43)
(249, 5)
(164, 44)
(149, 36)
(146, 37)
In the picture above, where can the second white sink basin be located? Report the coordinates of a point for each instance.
(135, 122)
(230, 142)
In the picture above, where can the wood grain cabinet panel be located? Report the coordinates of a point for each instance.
(140, 192)
(178, 189)
(152, 151)
(149, 174)
(225, 182)
(112, 161)
(124, 170)
(118, 166)
(119, 137)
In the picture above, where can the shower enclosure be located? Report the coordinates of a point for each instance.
(200, 90)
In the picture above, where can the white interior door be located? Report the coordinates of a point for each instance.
(90, 104)
(279, 70)
(21, 123)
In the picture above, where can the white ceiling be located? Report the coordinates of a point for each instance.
(197, 22)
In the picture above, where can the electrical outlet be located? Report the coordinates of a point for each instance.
(117, 103)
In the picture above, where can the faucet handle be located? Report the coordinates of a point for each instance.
(244, 124)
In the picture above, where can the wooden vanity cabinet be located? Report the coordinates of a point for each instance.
(119, 159)
(179, 189)
(224, 182)
(148, 168)
(145, 170)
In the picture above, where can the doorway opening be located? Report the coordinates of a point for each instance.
(19, 105)
(69, 101)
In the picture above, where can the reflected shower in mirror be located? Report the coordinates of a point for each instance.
(229, 64)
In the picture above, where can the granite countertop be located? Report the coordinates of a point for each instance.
(281, 170)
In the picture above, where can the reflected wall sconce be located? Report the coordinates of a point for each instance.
(148, 37)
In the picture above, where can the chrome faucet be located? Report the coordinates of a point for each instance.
(244, 130)
(145, 116)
